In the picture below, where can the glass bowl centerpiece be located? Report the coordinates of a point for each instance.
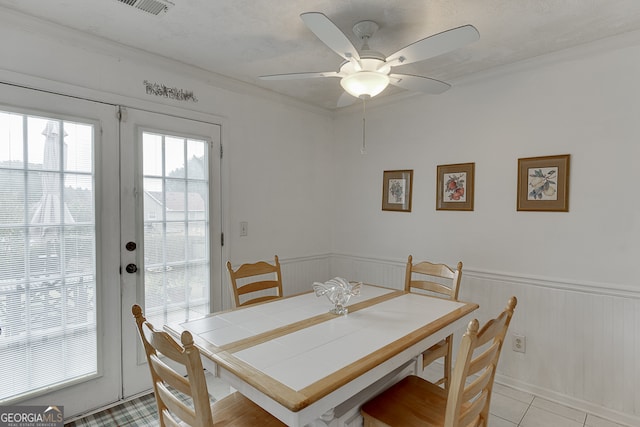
(339, 291)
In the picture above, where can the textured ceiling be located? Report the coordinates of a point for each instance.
(244, 39)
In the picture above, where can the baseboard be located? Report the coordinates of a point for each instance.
(571, 402)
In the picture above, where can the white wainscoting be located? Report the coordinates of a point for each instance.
(582, 339)
(298, 274)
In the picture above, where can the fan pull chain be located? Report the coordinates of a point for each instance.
(363, 150)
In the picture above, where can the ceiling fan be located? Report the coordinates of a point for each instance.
(366, 73)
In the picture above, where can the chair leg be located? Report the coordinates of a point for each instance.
(447, 362)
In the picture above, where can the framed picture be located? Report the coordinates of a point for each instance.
(454, 190)
(396, 190)
(543, 183)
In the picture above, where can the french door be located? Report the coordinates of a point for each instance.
(170, 231)
(100, 207)
(59, 279)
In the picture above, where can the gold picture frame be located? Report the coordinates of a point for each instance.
(543, 183)
(397, 186)
(455, 184)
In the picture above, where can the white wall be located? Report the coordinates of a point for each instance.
(587, 107)
(575, 273)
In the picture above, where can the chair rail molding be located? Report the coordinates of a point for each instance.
(609, 289)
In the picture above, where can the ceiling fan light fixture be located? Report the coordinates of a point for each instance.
(364, 83)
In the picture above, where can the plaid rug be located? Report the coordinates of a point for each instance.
(139, 412)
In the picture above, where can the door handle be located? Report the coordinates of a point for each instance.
(131, 268)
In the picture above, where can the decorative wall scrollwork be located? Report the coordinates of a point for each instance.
(158, 89)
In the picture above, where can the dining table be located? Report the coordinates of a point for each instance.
(310, 367)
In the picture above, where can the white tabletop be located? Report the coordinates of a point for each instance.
(297, 360)
(301, 358)
(231, 326)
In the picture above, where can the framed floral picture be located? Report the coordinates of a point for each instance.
(396, 190)
(543, 183)
(454, 190)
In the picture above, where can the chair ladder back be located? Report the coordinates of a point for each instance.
(259, 268)
(257, 286)
(477, 385)
(459, 375)
(443, 281)
(175, 406)
(493, 328)
(255, 269)
(472, 415)
(438, 288)
(166, 379)
(475, 396)
(166, 420)
(169, 376)
(163, 343)
(449, 286)
(483, 360)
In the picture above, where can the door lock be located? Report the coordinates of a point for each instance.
(131, 268)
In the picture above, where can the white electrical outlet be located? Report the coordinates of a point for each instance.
(519, 343)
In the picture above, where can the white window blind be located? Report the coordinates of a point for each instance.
(176, 227)
(47, 254)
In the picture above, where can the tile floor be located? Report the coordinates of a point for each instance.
(513, 408)
(509, 408)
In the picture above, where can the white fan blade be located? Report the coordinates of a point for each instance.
(330, 35)
(345, 100)
(292, 76)
(435, 45)
(418, 83)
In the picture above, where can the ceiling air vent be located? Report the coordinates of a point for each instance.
(155, 7)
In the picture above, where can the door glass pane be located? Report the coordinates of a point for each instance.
(176, 227)
(47, 248)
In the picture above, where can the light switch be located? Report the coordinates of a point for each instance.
(244, 228)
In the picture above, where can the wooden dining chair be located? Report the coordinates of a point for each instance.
(414, 401)
(439, 280)
(184, 401)
(246, 281)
